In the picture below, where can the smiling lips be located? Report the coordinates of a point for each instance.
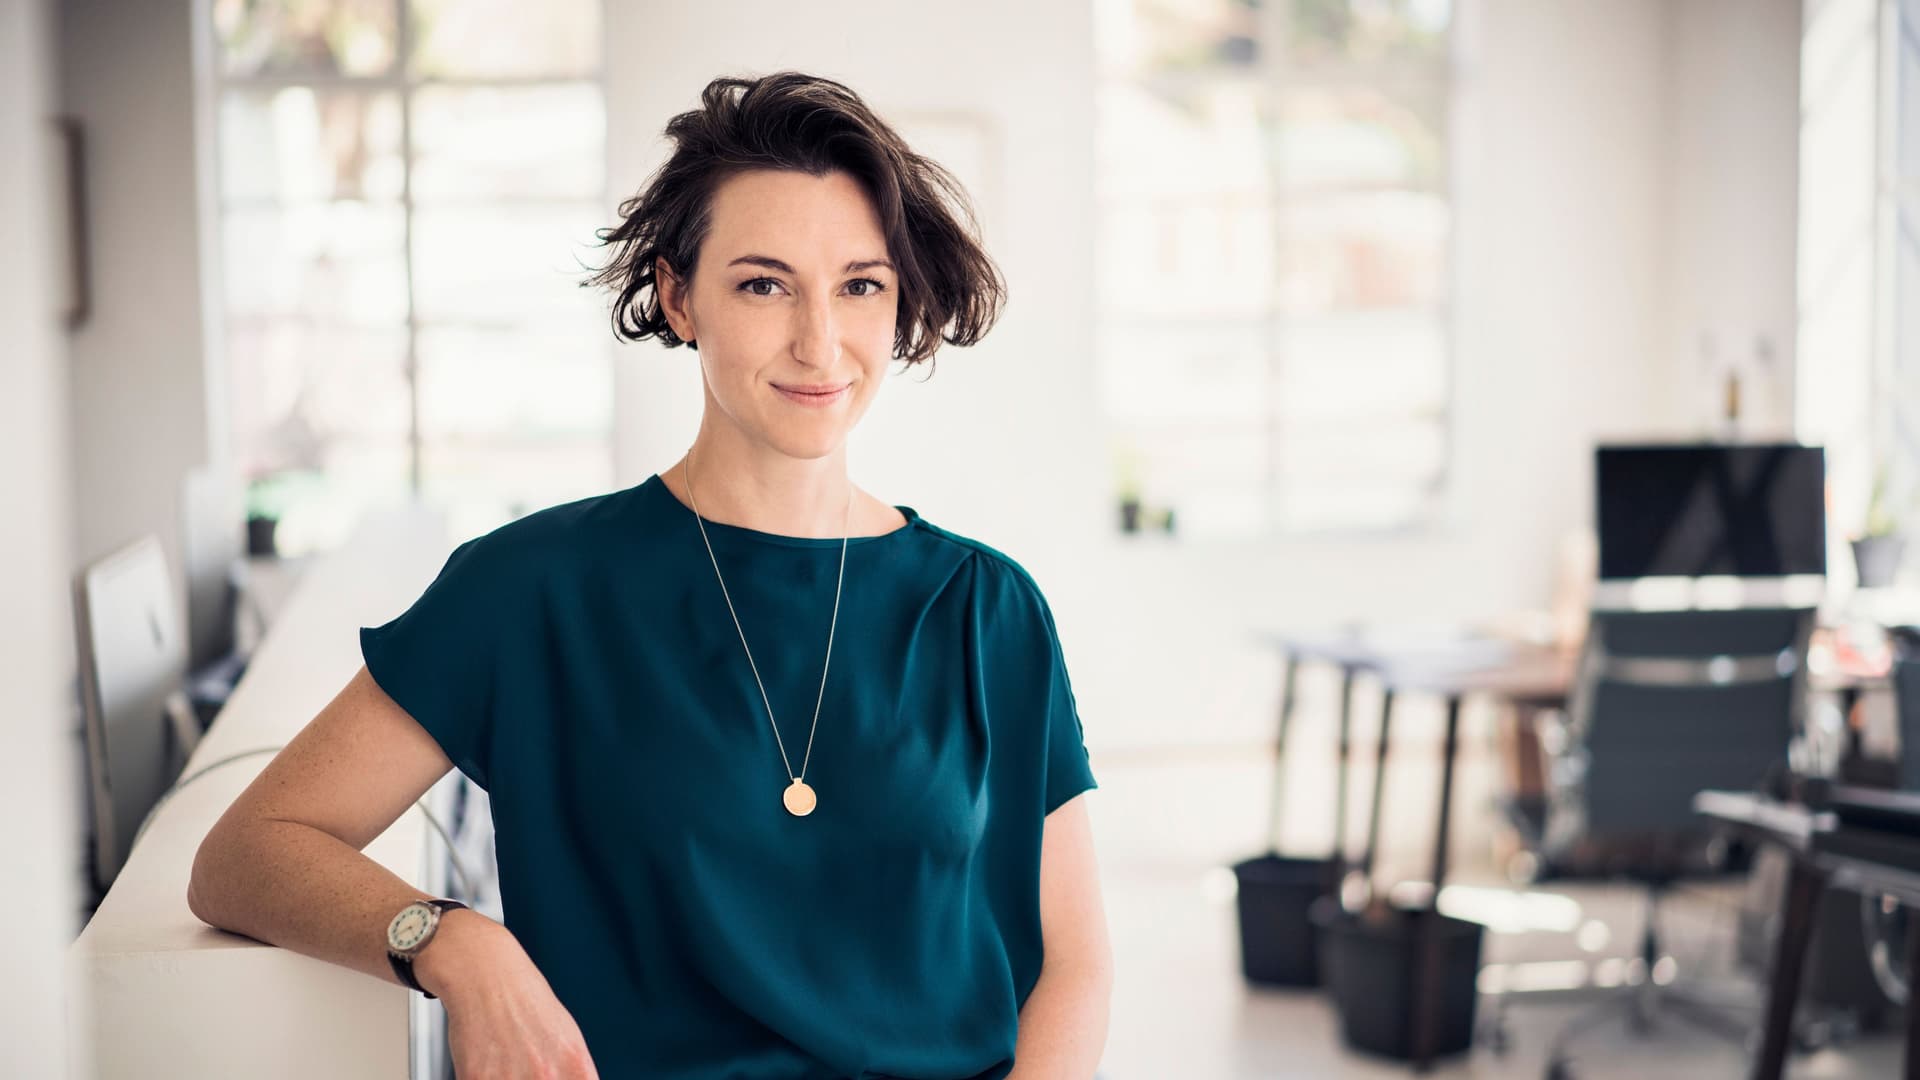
(816, 396)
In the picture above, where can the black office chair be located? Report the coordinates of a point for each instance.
(1886, 926)
(1665, 704)
(1906, 695)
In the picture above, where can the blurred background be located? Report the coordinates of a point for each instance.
(1357, 351)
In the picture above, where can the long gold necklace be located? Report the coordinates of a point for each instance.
(798, 797)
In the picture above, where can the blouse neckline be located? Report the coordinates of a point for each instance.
(741, 532)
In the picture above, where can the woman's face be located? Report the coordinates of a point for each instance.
(792, 293)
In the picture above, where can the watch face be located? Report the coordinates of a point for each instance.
(409, 927)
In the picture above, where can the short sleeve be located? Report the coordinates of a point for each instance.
(1068, 769)
(437, 659)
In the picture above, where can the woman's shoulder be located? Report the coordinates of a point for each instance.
(538, 539)
(998, 577)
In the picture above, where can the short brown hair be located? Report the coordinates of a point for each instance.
(949, 289)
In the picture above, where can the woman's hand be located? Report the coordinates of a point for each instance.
(503, 1020)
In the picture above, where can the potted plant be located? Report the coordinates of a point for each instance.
(1127, 473)
(266, 503)
(1878, 549)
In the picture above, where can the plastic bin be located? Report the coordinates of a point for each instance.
(1369, 964)
(1278, 941)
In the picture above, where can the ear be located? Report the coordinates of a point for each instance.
(673, 299)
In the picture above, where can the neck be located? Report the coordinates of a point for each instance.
(736, 482)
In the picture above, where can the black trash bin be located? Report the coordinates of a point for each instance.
(1370, 962)
(1278, 946)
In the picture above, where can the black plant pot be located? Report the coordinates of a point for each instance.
(260, 536)
(1278, 944)
(1369, 965)
(1877, 559)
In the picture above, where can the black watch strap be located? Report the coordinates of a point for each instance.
(403, 965)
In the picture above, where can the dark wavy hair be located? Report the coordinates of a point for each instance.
(949, 289)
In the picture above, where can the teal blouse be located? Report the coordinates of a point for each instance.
(581, 665)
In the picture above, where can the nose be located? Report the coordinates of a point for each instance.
(816, 335)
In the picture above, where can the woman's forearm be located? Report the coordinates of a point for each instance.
(303, 889)
(1063, 1025)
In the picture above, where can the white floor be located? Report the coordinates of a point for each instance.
(1182, 1010)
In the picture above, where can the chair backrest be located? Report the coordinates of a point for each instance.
(1906, 696)
(1669, 703)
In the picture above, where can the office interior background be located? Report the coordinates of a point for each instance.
(1323, 317)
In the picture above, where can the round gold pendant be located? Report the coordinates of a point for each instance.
(799, 798)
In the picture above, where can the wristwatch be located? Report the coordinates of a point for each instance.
(410, 931)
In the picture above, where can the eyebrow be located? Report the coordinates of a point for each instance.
(772, 263)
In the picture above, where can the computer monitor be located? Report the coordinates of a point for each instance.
(1699, 509)
(132, 653)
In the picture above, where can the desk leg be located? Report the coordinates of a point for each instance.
(1528, 775)
(1789, 957)
(1429, 941)
(1447, 755)
(1912, 1065)
(1344, 749)
(1287, 691)
(1379, 786)
(1851, 752)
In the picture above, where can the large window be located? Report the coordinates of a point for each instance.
(1857, 366)
(1897, 463)
(1274, 250)
(407, 190)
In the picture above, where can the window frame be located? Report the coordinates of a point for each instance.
(213, 85)
(1440, 516)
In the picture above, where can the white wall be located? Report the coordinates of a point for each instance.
(1732, 203)
(1558, 189)
(1625, 173)
(39, 765)
(140, 418)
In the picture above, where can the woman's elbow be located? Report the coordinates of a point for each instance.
(205, 884)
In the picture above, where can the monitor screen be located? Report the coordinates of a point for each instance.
(1750, 510)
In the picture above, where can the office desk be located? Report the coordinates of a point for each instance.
(1520, 673)
(1822, 851)
(157, 992)
(1451, 669)
(1527, 675)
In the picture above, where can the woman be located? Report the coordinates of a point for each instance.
(783, 777)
